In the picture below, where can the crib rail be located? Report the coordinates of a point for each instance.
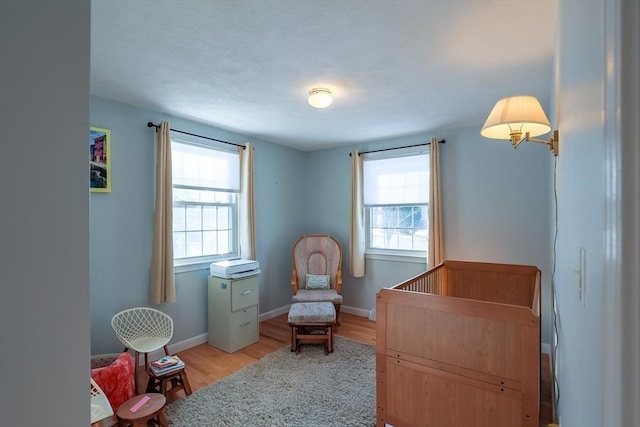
(430, 282)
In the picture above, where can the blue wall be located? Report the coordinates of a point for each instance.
(121, 224)
(496, 204)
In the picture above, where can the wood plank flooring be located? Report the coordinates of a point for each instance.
(206, 364)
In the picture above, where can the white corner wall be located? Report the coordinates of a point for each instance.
(44, 213)
(596, 75)
(581, 211)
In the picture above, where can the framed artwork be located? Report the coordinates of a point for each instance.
(100, 160)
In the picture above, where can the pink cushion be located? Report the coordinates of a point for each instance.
(116, 380)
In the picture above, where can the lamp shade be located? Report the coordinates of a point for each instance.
(320, 97)
(521, 114)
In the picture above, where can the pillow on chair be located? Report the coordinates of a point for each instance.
(318, 281)
(115, 379)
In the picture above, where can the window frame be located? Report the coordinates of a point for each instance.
(389, 254)
(203, 262)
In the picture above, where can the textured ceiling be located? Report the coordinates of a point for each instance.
(396, 67)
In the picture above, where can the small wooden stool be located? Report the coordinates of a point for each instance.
(151, 410)
(312, 322)
(158, 383)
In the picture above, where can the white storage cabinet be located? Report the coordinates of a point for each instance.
(233, 312)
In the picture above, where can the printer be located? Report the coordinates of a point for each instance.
(234, 269)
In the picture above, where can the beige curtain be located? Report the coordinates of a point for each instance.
(161, 281)
(356, 240)
(436, 246)
(247, 206)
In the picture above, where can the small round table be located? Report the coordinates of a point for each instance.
(152, 409)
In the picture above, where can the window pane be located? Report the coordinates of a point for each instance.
(209, 217)
(179, 218)
(405, 216)
(405, 238)
(194, 243)
(421, 239)
(179, 245)
(420, 216)
(224, 219)
(224, 242)
(377, 238)
(194, 218)
(398, 228)
(376, 217)
(182, 195)
(391, 238)
(210, 243)
(216, 197)
(202, 196)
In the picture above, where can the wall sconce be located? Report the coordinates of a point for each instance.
(519, 118)
(320, 97)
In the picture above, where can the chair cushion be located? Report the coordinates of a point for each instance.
(310, 312)
(318, 295)
(318, 281)
(116, 380)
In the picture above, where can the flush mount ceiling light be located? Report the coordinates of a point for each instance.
(320, 97)
(519, 118)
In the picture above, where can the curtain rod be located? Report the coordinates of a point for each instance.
(442, 141)
(151, 125)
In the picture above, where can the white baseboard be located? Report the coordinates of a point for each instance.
(274, 313)
(355, 310)
(177, 347)
(545, 348)
(188, 343)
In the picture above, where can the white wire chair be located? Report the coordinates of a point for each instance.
(100, 406)
(143, 330)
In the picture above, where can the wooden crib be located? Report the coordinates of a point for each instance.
(459, 346)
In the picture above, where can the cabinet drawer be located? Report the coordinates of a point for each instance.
(244, 322)
(244, 293)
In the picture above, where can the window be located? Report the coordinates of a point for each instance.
(206, 183)
(396, 199)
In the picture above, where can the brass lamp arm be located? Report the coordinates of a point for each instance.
(552, 142)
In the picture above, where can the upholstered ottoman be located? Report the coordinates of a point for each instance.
(312, 322)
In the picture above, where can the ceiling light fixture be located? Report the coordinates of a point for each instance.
(320, 97)
(519, 118)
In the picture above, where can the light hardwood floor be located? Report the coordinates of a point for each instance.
(206, 364)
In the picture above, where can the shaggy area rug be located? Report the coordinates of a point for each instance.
(284, 389)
